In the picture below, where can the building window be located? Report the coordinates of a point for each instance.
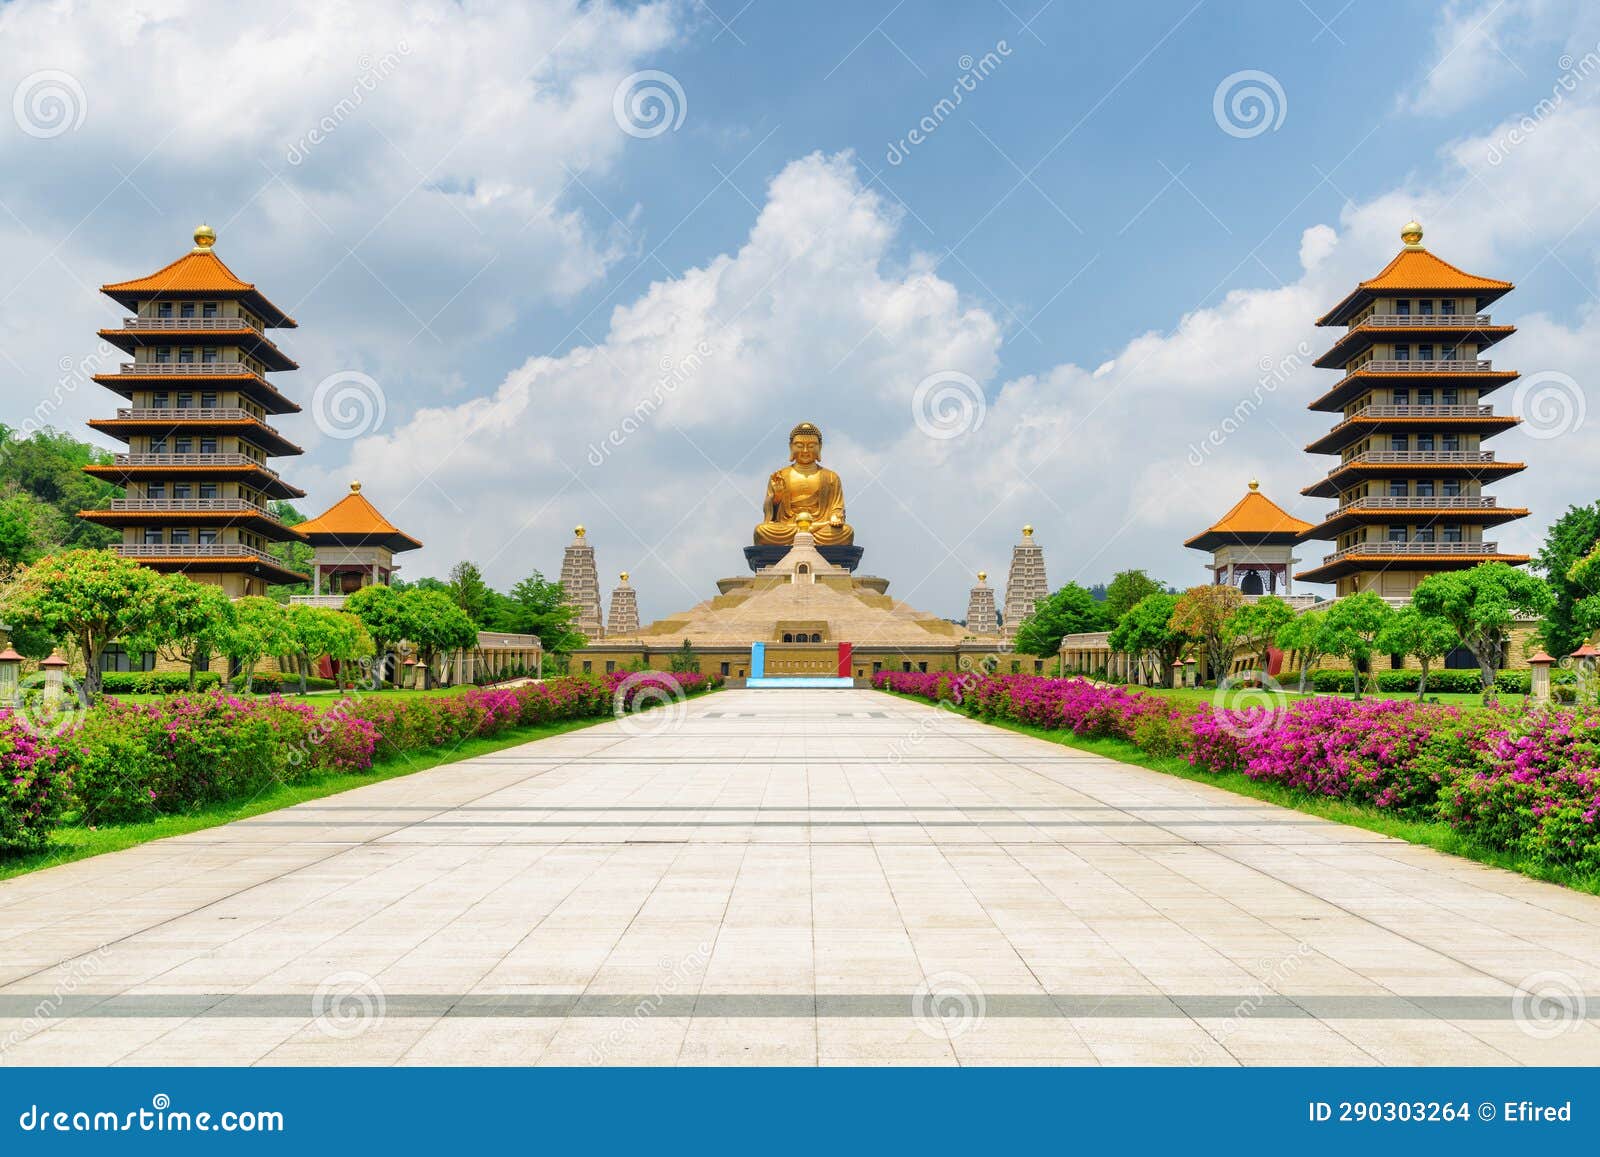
(1402, 396)
(788, 637)
(208, 490)
(208, 445)
(208, 401)
(611, 666)
(722, 668)
(162, 354)
(1424, 534)
(1451, 487)
(1447, 307)
(1425, 488)
(1425, 308)
(186, 309)
(159, 401)
(208, 309)
(1425, 396)
(1424, 441)
(163, 309)
(116, 658)
(185, 355)
(1397, 488)
(816, 637)
(152, 536)
(1402, 353)
(1425, 353)
(923, 668)
(1398, 441)
(206, 537)
(1450, 441)
(183, 446)
(180, 536)
(1397, 534)
(1403, 308)
(906, 666)
(588, 667)
(208, 356)
(180, 490)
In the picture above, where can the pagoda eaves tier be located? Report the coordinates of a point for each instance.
(1411, 465)
(196, 475)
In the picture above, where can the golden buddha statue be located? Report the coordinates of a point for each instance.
(804, 490)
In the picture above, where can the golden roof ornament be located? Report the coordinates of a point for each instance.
(1411, 234)
(983, 576)
(1027, 531)
(1255, 484)
(355, 488)
(204, 238)
(624, 577)
(578, 530)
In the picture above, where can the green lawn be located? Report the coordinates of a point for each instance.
(78, 843)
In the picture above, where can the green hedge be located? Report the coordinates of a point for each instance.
(156, 682)
(1465, 682)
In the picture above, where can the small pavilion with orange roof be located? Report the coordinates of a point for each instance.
(1252, 546)
(353, 546)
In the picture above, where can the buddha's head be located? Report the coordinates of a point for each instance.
(805, 444)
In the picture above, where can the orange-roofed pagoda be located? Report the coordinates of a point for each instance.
(1411, 465)
(353, 546)
(1252, 546)
(195, 475)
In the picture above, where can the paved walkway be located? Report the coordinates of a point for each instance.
(782, 877)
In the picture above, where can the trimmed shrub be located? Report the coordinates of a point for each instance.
(156, 682)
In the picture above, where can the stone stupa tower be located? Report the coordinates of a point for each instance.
(1026, 584)
(981, 619)
(624, 616)
(582, 585)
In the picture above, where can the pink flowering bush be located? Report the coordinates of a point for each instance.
(33, 788)
(1528, 782)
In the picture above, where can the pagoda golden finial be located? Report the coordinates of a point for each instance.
(983, 576)
(578, 530)
(355, 488)
(1255, 484)
(1411, 234)
(1027, 531)
(624, 577)
(204, 238)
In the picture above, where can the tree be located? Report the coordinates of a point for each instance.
(538, 606)
(1255, 627)
(90, 597)
(684, 661)
(319, 631)
(1351, 628)
(1203, 612)
(1071, 610)
(1410, 632)
(1306, 636)
(293, 553)
(379, 609)
(48, 467)
(470, 592)
(1573, 537)
(189, 624)
(1145, 631)
(1481, 604)
(432, 622)
(1126, 589)
(260, 628)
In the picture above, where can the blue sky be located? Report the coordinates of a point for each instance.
(1081, 239)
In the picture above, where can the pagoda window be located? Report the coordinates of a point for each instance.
(1424, 441)
(185, 401)
(152, 535)
(160, 400)
(1425, 308)
(206, 537)
(182, 490)
(1398, 441)
(163, 309)
(180, 536)
(155, 490)
(1397, 534)
(1449, 441)
(1424, 534)
(208, 445)
(1425, 488)
(208, 401)
(1425, 353)
(1402, 396)
(1448, 307)
(183, 445)
(158, 445)
(1397, 488)
(185, 354)
(1402, 353)
(1403, 308)
(186, 309)
(1452, 533)
(1451, 487)
(1450, 396)
(208, 355)
(208, 309)
(208, 490)
(161, 354)
(1425, 396)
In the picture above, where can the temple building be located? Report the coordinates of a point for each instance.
(981, 617)
(581, 582)
(1411, 470)
(624, 617)
(1025, 583)
(195, 473)
(1252, 546)
(353, 546)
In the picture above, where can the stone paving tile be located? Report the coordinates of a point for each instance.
(783, 879)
